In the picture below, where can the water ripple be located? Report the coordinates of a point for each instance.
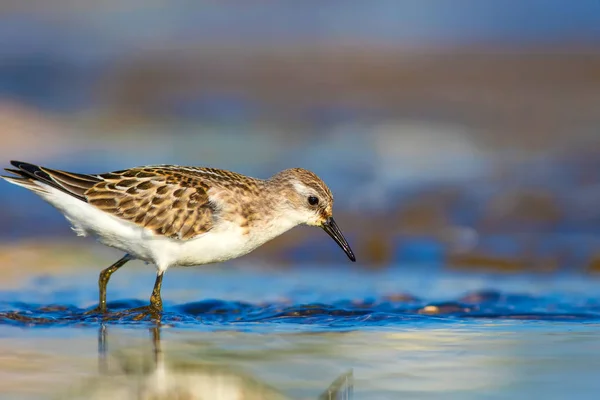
(389, 310)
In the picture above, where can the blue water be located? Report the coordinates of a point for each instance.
(323, 298)
(403, 332)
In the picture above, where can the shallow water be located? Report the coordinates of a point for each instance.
(418, 333)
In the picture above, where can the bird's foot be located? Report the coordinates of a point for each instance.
(96, 310)
(139, 313)
(136, 314)
(132, 314)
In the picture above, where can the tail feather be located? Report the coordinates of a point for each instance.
(29, 175)
(13, 171)
(26, 183)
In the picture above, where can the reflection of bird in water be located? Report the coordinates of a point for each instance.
(185, 380)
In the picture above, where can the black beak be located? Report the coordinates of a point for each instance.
(332, 230)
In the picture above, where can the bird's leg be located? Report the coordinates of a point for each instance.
(155, 299)
(105, 277)
(155, 308)
(103, 281)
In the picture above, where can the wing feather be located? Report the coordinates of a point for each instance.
(169, 202)
(68, 182)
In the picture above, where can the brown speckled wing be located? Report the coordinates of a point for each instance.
(167, 200)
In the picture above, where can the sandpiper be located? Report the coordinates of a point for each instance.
(181, 216)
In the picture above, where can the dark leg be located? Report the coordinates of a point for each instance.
(103, 281)
(154, 310)
(155, 299)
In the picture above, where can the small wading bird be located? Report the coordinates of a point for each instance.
(181, 216)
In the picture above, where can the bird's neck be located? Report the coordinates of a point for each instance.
(272, 214)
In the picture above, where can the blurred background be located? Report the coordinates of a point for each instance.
(463, 133)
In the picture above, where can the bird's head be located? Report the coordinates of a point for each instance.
(309, 201)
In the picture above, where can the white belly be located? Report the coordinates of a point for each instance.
(224, 243)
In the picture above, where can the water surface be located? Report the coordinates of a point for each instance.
(304, 333)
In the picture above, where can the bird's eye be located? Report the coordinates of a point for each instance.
(313, 201)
